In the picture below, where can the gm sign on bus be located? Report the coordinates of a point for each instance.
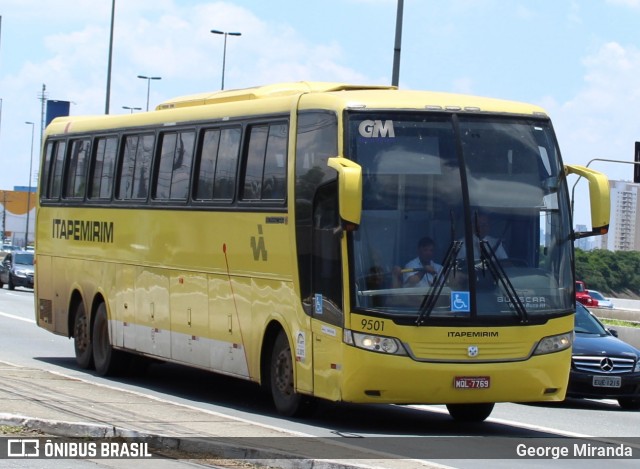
(372, 129)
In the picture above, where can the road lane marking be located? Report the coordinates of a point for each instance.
(513, 423)
(12, 316)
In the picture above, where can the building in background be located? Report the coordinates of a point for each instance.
(624, 227)
(13, 215)
(586, 244)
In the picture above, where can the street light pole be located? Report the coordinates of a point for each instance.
(132, 108)
(395, 76)
(148, 86)
(110, 59)
(26, 235)
(224, 50)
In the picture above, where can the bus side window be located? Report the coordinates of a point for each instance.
(176, 155)
(56, 170)
(45, 183)
(135, 167)
(275, 164)
(102, 168)
(265, 164)
(254, 163)
(206, 164)
(326, 260)
(224, 185)
(217, 164)
(76, 169)
(317, 140)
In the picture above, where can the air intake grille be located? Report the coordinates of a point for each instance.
(603, 364)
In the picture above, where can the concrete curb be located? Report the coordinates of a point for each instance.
(193, 447)
(68, 429)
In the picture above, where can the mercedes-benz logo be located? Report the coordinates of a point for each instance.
(473, 351)
(606, 364)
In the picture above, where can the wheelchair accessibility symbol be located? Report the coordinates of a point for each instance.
(460, 302)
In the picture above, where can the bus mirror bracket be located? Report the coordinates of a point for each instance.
(599, 197)
(349, 189)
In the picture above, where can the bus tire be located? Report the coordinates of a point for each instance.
(82, 338)
(281, 373)
(470, 412)
(107, 360)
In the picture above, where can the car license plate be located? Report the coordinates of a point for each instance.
(471, 382)
(607, 382)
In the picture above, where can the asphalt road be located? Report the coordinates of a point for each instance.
(26, 345)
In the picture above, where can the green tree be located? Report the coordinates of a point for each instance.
(610, 272)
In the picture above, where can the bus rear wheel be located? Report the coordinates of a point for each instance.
(107, 360)
(470, 412)
(82, 338)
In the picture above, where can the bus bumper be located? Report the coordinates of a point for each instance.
(373, 377)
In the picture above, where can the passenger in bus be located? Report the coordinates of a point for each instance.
(422, 270)
(481, 231)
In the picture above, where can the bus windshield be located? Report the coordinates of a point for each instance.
(464, 218)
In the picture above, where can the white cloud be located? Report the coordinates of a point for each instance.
(601, 120)
(604, 112)
(628, 3)
(166, 38)
(463, 85)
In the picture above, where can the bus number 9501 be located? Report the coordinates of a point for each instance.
(372, 325)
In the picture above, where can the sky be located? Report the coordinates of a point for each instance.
(580, 60)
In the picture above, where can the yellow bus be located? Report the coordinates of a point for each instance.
(269, 234)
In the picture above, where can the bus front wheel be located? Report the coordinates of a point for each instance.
(281, 373)
(107, 360)
(470, 412)
(82, 338)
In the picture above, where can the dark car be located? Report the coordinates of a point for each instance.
(603, 366)
(16, 270)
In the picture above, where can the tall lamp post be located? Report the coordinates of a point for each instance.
(110, 58)
(395, 74)
(224, 50)
(148, 85)
(132, 108)
(26, 235)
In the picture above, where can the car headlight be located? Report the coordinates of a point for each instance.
(374, 343)
(21, 273)
(554, 343)
(637, 368)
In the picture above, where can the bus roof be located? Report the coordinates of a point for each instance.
(261, 92)
(277, 98)
(354, 96)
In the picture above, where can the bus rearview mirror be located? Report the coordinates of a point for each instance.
(599, 198)
(349, 188)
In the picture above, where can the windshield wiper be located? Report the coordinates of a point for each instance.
(489, 259)
(430, 299)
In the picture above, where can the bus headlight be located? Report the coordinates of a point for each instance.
(374, 343)
(555, 343)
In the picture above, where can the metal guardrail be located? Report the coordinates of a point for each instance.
(631, 305)
(625, 310)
